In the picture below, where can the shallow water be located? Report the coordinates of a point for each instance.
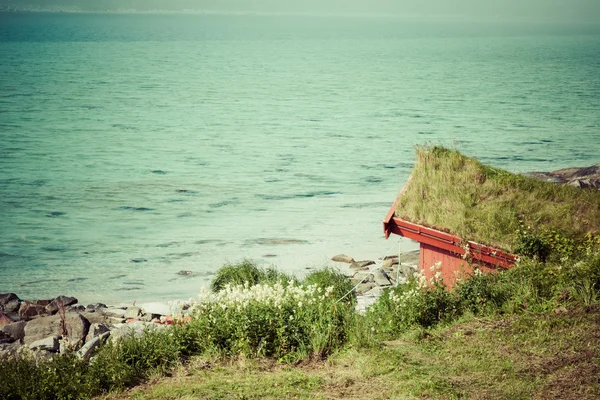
(137, 146)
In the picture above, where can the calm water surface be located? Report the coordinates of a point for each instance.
(136, 146)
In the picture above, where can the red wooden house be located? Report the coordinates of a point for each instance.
(456, 257)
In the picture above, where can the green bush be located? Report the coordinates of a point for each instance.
(329, 277)
(62, 377)
(289, 321)
(246, 272)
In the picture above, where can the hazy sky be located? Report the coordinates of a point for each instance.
(542, 10)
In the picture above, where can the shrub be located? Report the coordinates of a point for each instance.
(328, 277)
(246, 272)
(286, 320)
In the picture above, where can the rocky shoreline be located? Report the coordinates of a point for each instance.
(58, 325)
(47, 327)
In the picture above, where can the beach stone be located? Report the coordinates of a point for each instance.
(156, 308)
(5, 319)
(9, 303)
(96, 306)
(77, 328)
(360, 277)
(381, 278)
(29, 310)
(388, 263)
(96, 317)
(88, 349)
(48, 344)
(42, 327)
(364, 287)
(374, 292)
(113, 312)
(60, 301)
(132, 312)
(42, 302)
(185, 272)
(76, 308)
(148, 317)
(96, 330)
(408, 270)
(343, 258)
(5, 338)
(16, 330)
(361, 264)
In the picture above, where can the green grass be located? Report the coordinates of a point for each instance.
(549, 356)
(453, 193)
(246, 272)
(530, 332)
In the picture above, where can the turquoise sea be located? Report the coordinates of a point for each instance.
(133, 147)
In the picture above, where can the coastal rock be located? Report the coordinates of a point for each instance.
(16, 330)
(5, 338)
(132, 312)
(48, 344)
(58, 302)
(5, 320)
(88, 349)
(42, 302)
(9, 303)
(364, 287)
(361, 264)
(343, 258)
(156, 308)
(389, 263)
(407, 271)
(113, 312)
(96, 317)
(96, 330)
(76, 308)
(42, 327)
(77, 328)
(374, 292)
(29, 310)
(96, 306)
(381, 278)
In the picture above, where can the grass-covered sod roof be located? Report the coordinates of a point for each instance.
(457, 194)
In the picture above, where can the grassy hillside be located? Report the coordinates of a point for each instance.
(457, 194)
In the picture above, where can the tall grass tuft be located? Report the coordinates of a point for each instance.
(246, 272)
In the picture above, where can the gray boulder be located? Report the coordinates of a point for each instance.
(361, 264)
(364, 287)
(9, 303)
(29, 310)
(156, 308)
(5, 319)
(16, 330)
(389, 263)
(381, 278)
(343, 258)
(42, 327)
(48, 344)
(113, 312)
(96, 330)
(88, 349)
(58, 302)
(77, 328)
(132, 312)
(5, 338)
